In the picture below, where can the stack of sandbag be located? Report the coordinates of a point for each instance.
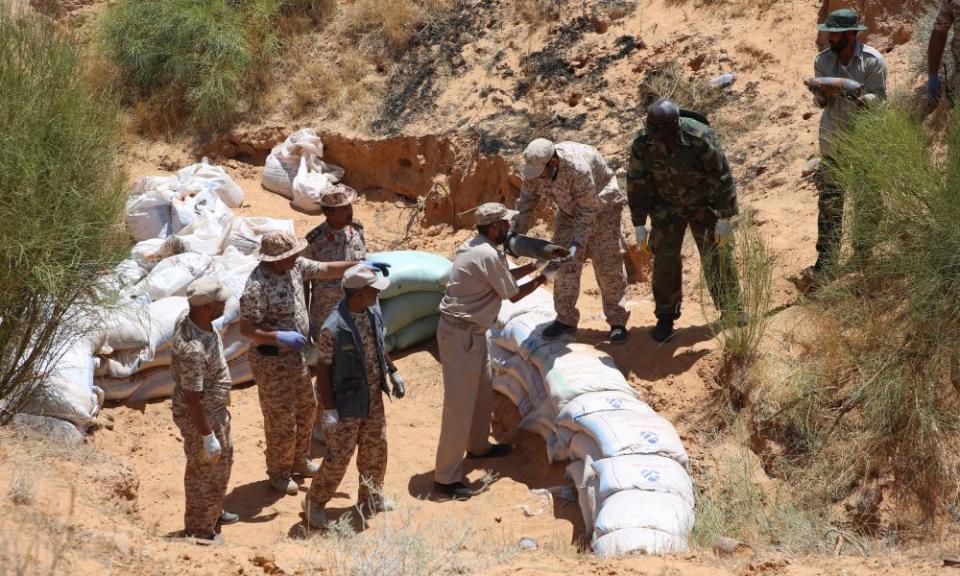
(628, 463)
(410, 305)
(295, 170)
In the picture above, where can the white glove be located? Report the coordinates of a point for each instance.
(211, 447)
(329, 420)
(550, 272)
(643, 235)
(573, 252)
(723, 232)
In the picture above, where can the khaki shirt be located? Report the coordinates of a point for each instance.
(583, 185)
(867, 67)
(198, 365)
(276, 301)
(947, 19)
(480, 281)
(329, 245)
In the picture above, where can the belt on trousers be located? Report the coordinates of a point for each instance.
(461, 323)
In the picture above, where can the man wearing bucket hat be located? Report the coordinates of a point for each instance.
(480, 281)
(947, 18)
(850, 59)
(201, 394)
(338, 239)
(589, 206)
(353, 368)
(273, 314)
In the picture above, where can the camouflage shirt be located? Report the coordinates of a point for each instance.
(198, 365)
(695, 177)
(370, 358)
(276, 302)
(583, 184)
(329, 245)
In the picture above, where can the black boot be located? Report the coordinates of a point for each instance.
(557, 328)
(618, 334)
(663, 330)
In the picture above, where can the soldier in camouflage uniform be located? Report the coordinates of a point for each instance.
(352, 379)
(589, 205)
(273, 313)
(947, 19)
(338, 239)
(201, 395)
(679, 177)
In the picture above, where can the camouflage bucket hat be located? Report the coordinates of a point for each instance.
(842, 21)
(279, 245)
(338, 195)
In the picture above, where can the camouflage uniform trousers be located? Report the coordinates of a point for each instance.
(369, 437)
(289, 406)
(604, 244)
(666, 243)
(204, 482)
(830, 203)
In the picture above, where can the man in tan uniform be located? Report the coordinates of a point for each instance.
(479, 282)
(352, 379)
(273, 314)
(200, 398)
(337, 239)
(589, 205)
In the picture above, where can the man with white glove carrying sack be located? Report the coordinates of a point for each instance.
(480, 281)
(589, 205)
(201, 395)
(680, 178)
(273, 314)
(353, 367)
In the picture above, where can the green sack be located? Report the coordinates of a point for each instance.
(420, 331)
(406, 309)
(413, 271)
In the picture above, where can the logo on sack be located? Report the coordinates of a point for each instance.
(650, 437)
(650, 475)
(615, 403)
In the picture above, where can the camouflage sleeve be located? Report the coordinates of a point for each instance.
(251, 302)
(945, 17)
(640, 187)
(325, 347)
(526, 204)
(191, 358)
(723, 196)
(313, 270)
(587, 204)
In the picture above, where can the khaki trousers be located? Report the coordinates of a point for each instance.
(467, 398)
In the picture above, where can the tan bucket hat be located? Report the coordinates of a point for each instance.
(279, 245)
(337, 195)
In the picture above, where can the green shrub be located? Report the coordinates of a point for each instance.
(61, 197)
(196, 60)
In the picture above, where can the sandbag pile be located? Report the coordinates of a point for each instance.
(410, 304)
(295, 170)
(628, 463)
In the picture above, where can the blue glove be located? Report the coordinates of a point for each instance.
(382, 267)
(292, 339)
(933, 86)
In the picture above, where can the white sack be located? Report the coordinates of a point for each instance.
(126, 327)
(221, 183)
(586, 483)
(642, 509)
(639, 540)
(539, 301)
(69, 392)
(188, 205)
(308, 186)
(232, 269)
(593, 402)
(172, 276)
(143, 249)
(513, 389)
(204, 235)
(640, 472)
(623, 432)
(522, 334)
(540, 422)
(583, 446)
(283, 163)
(520, 369)
(575, 370)
(164, 314)
(148, 214)
(558, 445)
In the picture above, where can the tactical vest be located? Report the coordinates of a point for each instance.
(348, 374)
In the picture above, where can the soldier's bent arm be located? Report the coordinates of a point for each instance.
(191, 358)
(640, 187)
(875, 81)
(324, 368)
(313, 270)
(197, 414)
(587, 199)
(723, 200)
(819, 98)
(526, 204)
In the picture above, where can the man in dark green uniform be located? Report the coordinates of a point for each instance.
(679, 177)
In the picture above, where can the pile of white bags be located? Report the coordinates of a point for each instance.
(628, 463)
(295, 170)
(410, 305)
